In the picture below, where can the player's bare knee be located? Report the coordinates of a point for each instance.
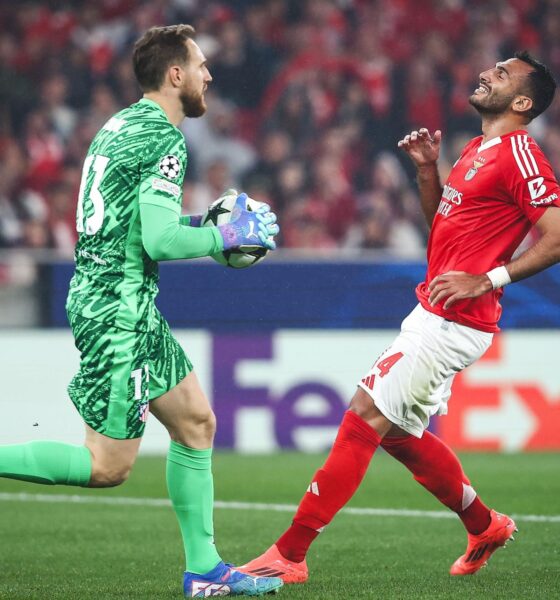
(108, 471)
(205, 421)
(103, 476)
(197, 430)
(209, 426)
(363, 405)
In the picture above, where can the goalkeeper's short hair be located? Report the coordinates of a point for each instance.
(157, 50)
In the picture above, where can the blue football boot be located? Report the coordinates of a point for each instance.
(224, 580)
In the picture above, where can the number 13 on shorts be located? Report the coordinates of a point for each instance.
(381, 368)
(141, 382)
(141, 379)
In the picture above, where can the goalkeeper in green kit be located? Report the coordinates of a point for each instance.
(128, 218)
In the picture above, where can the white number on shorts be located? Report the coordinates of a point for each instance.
(137, 375)
(93, 223)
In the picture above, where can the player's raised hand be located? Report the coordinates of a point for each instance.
(457, 285)
(249, 228)
(422, 148)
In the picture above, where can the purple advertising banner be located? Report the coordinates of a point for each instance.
(287, 389)
(290, 388)
(296, 400)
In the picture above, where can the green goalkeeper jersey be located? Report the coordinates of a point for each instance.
(138, 153)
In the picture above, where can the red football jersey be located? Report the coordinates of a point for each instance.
(495, 193)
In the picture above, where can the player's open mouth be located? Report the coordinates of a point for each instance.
(482, 89)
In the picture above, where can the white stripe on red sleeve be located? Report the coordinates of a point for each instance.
(523, 154)
(531, 157)
(516, 156)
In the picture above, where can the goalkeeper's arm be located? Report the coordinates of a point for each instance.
(165, 237)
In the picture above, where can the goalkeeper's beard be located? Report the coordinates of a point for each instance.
(193, 104)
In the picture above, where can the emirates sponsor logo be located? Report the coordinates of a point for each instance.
(452, 195)
(444, 208)
(449, 198)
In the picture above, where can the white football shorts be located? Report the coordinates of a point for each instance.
(411, 380)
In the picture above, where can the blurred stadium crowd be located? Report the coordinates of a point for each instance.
(308, 101)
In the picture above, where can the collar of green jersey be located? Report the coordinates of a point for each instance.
(153, 104)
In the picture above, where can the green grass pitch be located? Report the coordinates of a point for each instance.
(67, 550)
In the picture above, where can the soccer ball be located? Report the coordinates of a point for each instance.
(219, 213)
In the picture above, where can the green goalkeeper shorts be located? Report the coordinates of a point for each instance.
(121, 371)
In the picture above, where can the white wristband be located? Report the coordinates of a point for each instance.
(499, 277)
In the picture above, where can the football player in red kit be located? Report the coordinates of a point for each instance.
(501, 185)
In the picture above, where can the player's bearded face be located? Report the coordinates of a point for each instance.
(489, 101)
(196, 80)
(192, 101)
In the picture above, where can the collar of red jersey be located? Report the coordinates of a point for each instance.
(490, 143)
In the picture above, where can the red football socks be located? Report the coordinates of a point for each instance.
(435, 466)
(332, 485)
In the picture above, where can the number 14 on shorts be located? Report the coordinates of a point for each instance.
(383, 365)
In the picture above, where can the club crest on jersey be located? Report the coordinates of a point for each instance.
(170, 166)
(143, 411)
(477, 163)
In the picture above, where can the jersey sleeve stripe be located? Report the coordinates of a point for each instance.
(516, 156)
(523, 154)
(532, 158)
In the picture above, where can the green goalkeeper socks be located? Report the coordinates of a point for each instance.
(191, 489)
(189, 480)
(46, 462)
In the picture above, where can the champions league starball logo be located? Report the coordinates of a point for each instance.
(169, 166)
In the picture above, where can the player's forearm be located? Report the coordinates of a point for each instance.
(180, 241)
(543, 254)
(165, 238)
(430, 189)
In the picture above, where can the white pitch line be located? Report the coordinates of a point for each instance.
(158, 502)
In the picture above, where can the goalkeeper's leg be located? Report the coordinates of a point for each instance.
(100, 462)
(186, 413)
(104, 391)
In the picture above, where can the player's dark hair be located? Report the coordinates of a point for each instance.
(156, 51)
(541, 84)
